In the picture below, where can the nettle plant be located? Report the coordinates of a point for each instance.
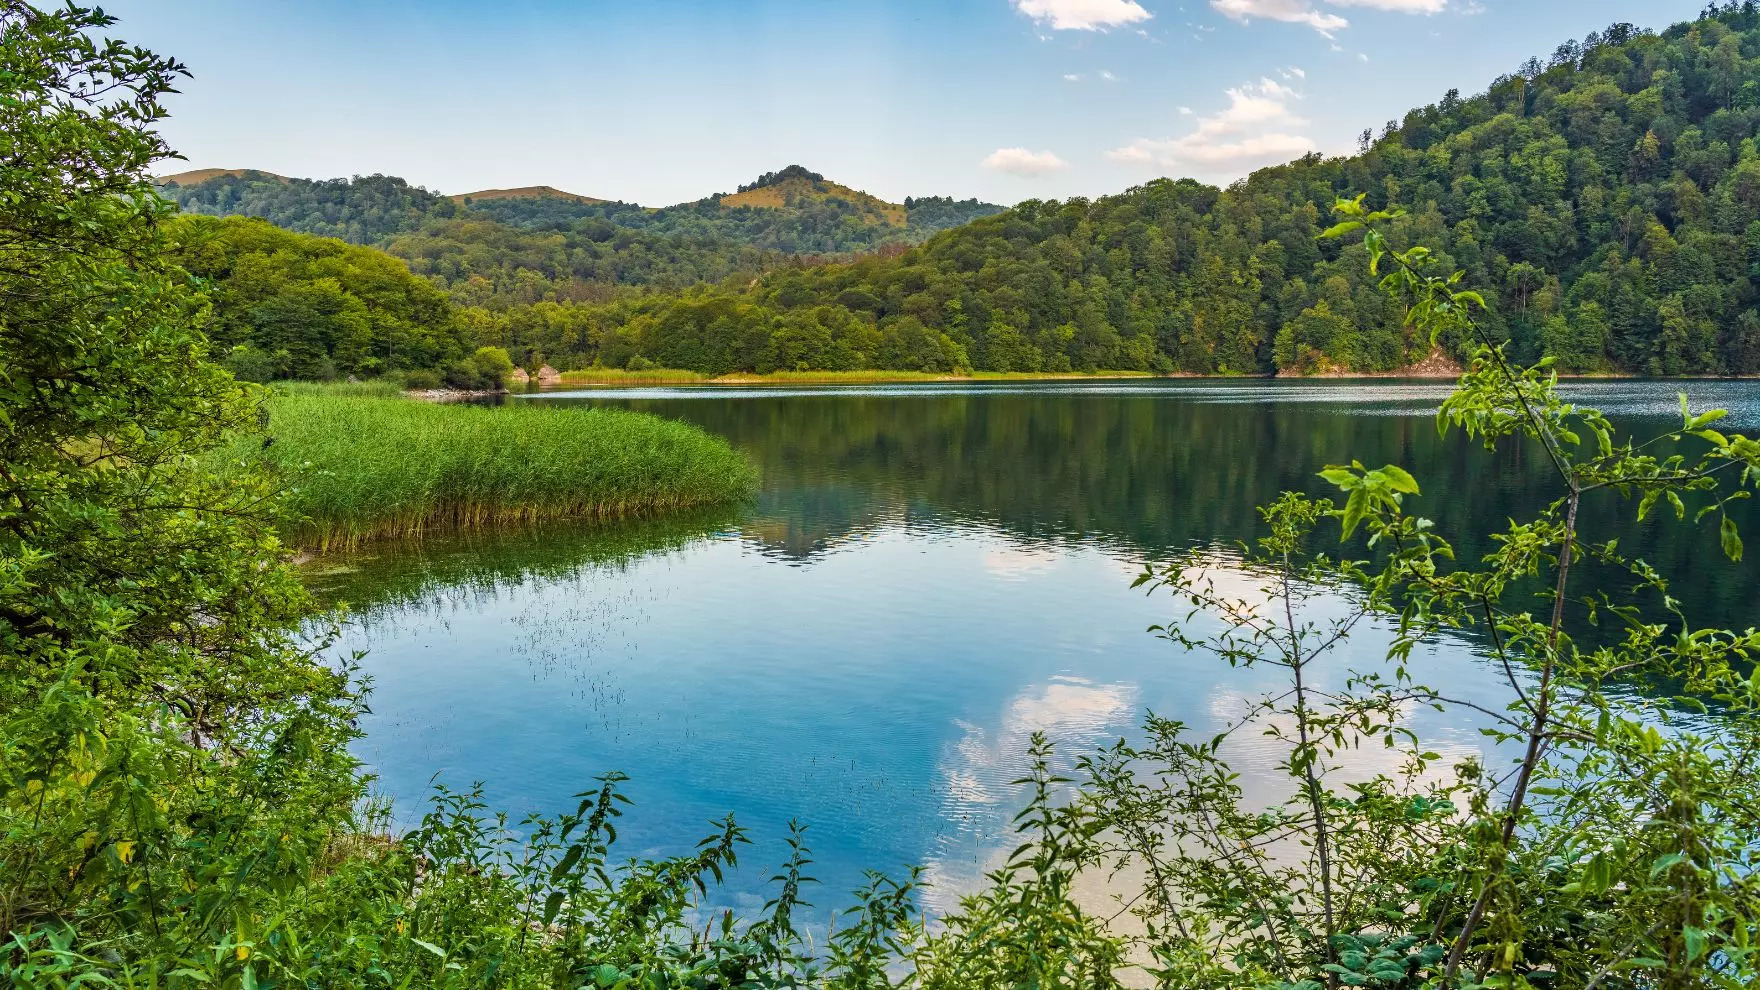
(1609, 838)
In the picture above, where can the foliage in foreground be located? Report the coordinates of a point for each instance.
(360, 467)
(177, 807)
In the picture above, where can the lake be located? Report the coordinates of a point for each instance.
(929, 575)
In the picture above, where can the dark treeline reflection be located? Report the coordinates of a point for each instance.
(408, 573)
(1149, 469)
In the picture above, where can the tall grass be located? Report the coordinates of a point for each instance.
(361, 468)
(376, 388)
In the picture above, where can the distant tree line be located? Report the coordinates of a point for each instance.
(373, 210)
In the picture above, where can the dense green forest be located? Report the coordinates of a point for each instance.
(804, 214)
(361, 210)
(288, 305)
(790, 211)
(495, 257)
(1608, 197)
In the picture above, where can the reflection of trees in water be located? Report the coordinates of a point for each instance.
(476, 563)
(1150, 472)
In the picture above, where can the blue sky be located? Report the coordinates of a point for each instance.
(663, 101)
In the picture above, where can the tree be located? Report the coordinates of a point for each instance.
(151, 695)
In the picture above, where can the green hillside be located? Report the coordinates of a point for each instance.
(1608, 197)
(792, 211)
(361, 210)
(290, 305)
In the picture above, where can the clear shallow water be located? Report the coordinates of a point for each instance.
(930, 574)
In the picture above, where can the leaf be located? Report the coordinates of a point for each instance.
(431, 947)
(567, 863)
(1666, 862)
(1355, 508)
(1400, 479)
(1647, 502)
(1695, 939)
(1341, 229)
(1732, 541)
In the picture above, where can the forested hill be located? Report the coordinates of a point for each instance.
(361, 210)
(792, 211)
(1608, 197)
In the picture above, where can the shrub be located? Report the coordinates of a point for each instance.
(250, 363)
(420, 379)
(493, 367)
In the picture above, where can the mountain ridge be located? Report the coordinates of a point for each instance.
(789, 183)
(197, 176)
(792, 211)
(525, 192)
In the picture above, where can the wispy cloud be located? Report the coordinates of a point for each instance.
(1024, 163)
(1083, 15)
(1256, 128)
(1325, 22)
(1397, 6)
(1289, 11)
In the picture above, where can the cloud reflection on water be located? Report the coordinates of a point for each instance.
(978, 770)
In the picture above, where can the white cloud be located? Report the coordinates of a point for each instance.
(1024, 163)
(1083, 15)
(1363, 57)
(1296, 70)
(1304, 11)
(1186, 111)
(1109, 77)
(1257, 128)
(1397, 6)
(1290, 11)
(1072, 77)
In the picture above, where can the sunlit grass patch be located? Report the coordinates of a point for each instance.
(366, 467)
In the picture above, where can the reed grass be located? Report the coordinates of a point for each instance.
(360, 468)
(374, 388)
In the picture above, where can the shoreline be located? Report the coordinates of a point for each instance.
(610, 379)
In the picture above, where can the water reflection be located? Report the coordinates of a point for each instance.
(929, 575)
(978, 768)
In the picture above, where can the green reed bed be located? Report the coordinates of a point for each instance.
(365, 467)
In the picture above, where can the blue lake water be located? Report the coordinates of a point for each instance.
(930, 575)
